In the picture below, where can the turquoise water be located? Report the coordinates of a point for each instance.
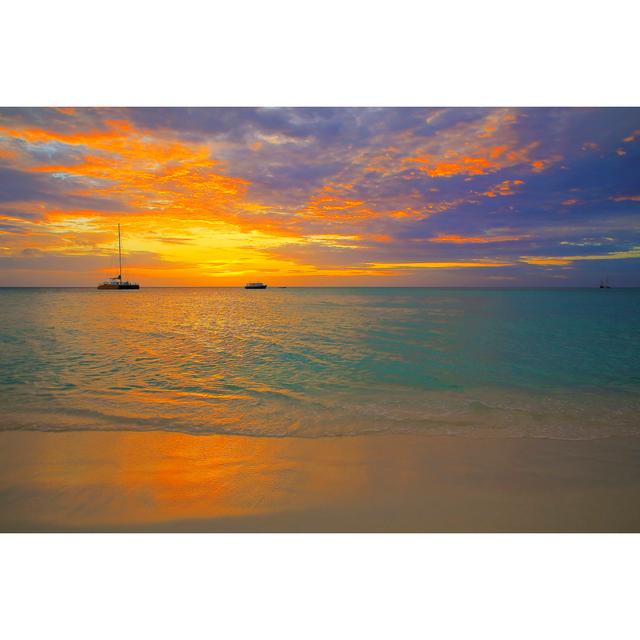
(323, 361)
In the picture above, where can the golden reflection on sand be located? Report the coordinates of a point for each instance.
(158, 481)
(113, 478)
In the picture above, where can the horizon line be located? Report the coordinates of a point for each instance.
(53, 286)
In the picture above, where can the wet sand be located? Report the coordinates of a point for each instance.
(155, 481)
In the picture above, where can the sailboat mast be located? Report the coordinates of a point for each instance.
(116, 282)
(119, 254)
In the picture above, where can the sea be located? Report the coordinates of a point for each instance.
(318, 362)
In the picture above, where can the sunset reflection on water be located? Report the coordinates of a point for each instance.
(321, 362)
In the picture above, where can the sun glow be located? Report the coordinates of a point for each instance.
(277, 195)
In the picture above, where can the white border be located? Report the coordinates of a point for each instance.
(335, 52)
(319, 586)
(496, 52)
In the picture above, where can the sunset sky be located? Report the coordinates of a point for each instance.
(302, 196)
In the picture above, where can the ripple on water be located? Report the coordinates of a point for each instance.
(313, 362)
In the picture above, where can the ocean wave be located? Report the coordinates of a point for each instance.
(481, 413)
(322, 362)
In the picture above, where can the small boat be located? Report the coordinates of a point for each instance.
(116, 282)
(255, 285)
(604, 284)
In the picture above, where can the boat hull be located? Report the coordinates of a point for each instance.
(118, 286)
(263, 286)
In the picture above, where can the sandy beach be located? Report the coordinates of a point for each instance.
(172, 482)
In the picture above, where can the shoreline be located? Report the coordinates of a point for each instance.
(374, 433)
(152, 481)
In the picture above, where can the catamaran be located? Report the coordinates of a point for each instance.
(116, 282)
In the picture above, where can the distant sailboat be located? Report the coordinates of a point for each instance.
(604, 284)
(255, 285)
(116, 282)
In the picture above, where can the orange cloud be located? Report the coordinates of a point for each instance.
(464, 166)
(330, 207)
(538, 166)
(334, 203)
(632, 136)
(625, 198)
(411, 214)
(504, 188)
(157, 180)
(337, 187)
(456, 239)
(476, 148)
(114, 129)
(545, 261)
(439, 265)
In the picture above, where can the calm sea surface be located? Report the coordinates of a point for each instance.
(321, 361)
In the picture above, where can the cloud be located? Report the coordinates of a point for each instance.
(438, 265)
(216, 194)
(631, 254)
(475, 148)
(542, 261)
(456, 239)
(504, 188)
(632, 136)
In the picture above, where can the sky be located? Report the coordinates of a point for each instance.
(321, 196)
